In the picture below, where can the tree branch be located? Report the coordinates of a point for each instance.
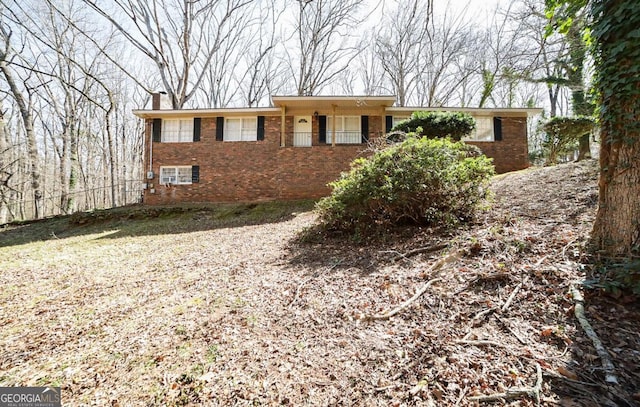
(607, 364)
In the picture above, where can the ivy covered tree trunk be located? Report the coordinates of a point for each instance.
(488, 83)
(616, 230)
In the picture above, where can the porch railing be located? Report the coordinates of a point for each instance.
(302, 139)
(305, 139)
(345, 137)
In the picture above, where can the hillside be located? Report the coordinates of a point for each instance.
(237, 305)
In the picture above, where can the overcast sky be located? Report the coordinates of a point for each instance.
(474, 10)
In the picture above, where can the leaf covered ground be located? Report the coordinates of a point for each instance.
(244, 305)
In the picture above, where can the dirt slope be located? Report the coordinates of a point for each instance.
(189, 311)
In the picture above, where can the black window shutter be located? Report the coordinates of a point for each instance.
(196, 128)
(322, 129)
(219, 128)
(388, 123)
(157, 130)
(497, 128)
(195, 174)
(260, 127)
(364, 128)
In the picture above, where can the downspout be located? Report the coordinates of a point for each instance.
(283, 139)
(156, 104)
(150, 148)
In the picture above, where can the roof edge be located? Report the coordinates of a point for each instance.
(528, 110)
(213, 112)
(210, 112)
(387, 100)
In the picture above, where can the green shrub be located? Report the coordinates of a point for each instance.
(618, 277)
(438, 124)
(562, 135)
(419, 181)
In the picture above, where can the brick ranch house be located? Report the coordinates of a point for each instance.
(291, 150)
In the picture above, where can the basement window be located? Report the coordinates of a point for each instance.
(179, 175)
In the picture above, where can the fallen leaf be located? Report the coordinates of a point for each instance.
(567, 373)
(546, 332)
(437, 393)
(544, 364)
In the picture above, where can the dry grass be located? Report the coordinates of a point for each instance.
(227, 306)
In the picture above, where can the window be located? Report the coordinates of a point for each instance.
(179, 175)
(398, 119)
(483, 131)
(347, 130)
(241, 129)
(177, 130)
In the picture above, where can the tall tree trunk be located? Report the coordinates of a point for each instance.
(65, 163)
(111, 159)
(122, 152)
(553, 98)
(5, 170)
(73, 171)
(616, 231)
(32, 146)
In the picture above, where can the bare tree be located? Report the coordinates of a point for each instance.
(63, 96)
(181, 37)
(70, 80)
(369, 68)
(79, 135)
(23, 98)
(264, 71)
(323, 47)
(469, 84)
(216, 88)
(545, 52)
(400, 45)
(8, 171)
(501, 52)
(447, 40)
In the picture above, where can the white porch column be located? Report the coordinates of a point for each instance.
(283, 127)
(333, 126)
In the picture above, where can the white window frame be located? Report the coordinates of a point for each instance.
(177, 131)
(344, 136)
(398, 119)
(247, 131)
(483, 131)
(176, 178)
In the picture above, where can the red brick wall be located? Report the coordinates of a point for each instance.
(305, 172)
(262, 170)
(511, 153)
(250, 171)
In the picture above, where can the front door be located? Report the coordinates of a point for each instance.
(302, 131)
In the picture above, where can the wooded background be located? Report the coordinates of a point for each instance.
(72, 71)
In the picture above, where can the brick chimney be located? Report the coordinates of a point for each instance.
(157, 101)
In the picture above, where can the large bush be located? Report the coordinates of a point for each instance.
(438, 124)
(562, 135)
(419, 181)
